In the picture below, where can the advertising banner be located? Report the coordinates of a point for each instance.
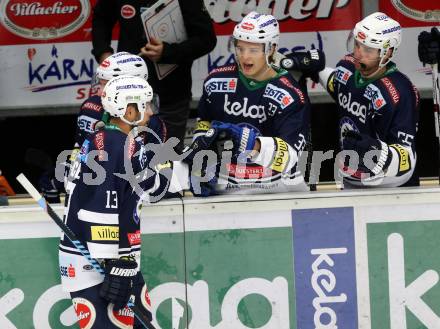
(325, 268)
(398, 270)
(412, 13)
(45, 45)
(361, 267)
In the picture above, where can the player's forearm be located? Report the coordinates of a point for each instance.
(325, 75)
(275, 153)
(403, 160)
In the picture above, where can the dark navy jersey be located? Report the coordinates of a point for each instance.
(276, 108)
(385, 108)
(90, 115)
(102, 208)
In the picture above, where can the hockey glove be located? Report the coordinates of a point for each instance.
(203, 142)
(243, 136)
(362, 143)
(310, 63)
(429, 46)
(203, 183)
(118, 281)
(50, 187)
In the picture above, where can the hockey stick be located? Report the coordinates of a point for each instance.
(77, 243)
(436, 100)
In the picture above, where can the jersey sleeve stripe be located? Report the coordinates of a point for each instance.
(97, 217)
(98, 250)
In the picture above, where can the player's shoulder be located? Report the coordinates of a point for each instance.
(92, 104)
(222, 79)
(347, 62)
(397, 87)
(223, 71)
(285, 89)
(107, 138)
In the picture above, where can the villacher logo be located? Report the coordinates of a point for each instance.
(418, 10)
(43, 19)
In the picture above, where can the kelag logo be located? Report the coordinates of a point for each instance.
(404, 269)
(169, 303)
(44, 19)
(325, 269)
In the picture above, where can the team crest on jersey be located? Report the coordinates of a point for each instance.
(221, 85)
(373, 94)
(345, 125)
(342, 75)
(280, 96)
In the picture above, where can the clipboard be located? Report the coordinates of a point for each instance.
(164, 20)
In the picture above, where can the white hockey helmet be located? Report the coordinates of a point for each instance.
(123, 90)
(379, 31)
(258, 28)
(122, 63)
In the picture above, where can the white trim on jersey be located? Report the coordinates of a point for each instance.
(98, 217)
(100, 250)
(324, 76)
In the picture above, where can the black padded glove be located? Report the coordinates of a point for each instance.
(362, 143)
(429, 46)
(202, 142)
(118, 281)
(310, 63)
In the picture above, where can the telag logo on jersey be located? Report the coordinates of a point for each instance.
(239, 110)
(373, 94)
(221, 85)
(355, 108)
(342, 74)
(279, 95)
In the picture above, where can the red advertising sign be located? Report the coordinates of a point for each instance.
(43, 21)
(412, 13)
(48, 21)
(293, 15)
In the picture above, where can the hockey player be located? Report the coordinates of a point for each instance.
(92, 116)
(262, 109)
(378, 108)
(102, 211)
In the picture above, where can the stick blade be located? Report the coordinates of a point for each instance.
(22, 179)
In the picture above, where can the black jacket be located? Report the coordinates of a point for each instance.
(201, 40)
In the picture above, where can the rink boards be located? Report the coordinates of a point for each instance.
(363, 259)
